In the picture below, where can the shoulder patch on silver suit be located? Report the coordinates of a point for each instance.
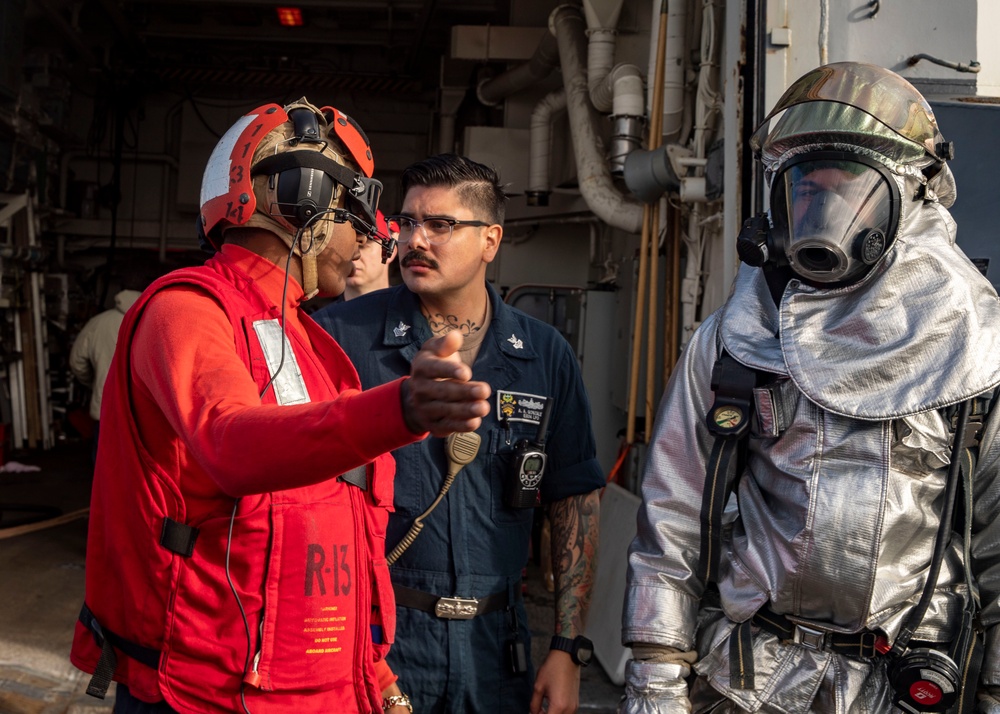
(289, 387)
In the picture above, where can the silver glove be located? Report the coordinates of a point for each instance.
(989, 700)
(655, 688)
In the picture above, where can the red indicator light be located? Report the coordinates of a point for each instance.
(290, 16)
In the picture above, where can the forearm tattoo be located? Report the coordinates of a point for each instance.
(575, 523)
(442, 324)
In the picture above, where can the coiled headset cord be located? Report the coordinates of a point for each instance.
(461, 450)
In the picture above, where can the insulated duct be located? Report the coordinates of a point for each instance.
(545, 59)
(627, 114)
(593, 174)
(554, 104)
(618, 90)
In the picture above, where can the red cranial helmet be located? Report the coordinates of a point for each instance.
(289, 170)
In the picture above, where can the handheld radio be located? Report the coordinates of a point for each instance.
(528, 466)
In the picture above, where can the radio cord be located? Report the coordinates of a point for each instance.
(236, 502)
(461, 450)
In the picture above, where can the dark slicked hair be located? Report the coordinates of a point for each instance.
(478, 185)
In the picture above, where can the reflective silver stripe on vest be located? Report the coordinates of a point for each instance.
(289, 387)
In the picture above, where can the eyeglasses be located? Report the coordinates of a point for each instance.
(360, 225)
(436, 229)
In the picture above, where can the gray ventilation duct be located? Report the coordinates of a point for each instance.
(648, 174)
(546, 58)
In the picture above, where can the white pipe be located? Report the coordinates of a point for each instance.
(620, 92)
(627, 91)
(602, 19)
(734, 59)
(596, 186)
(673, 70)
(600, 60)
(628, 109)
(551, 106)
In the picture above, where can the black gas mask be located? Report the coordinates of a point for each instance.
(833, 216)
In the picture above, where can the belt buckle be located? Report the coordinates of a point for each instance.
(809, 637)
(456, 608)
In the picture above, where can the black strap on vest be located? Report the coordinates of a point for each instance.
(108, 641)
(357, 476)
(177, 537)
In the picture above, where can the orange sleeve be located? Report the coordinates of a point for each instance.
(385, 675)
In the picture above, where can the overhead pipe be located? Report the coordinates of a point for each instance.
(596, 186)
(628, 113)
(673, 71)
(613, 88)
(602, 19)
(545, 59)
(600, 60)
(552, 105)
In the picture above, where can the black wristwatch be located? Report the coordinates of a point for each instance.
(580, 649)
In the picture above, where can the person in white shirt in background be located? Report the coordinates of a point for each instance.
(90, 357)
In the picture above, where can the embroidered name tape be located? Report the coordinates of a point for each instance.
(518, 406)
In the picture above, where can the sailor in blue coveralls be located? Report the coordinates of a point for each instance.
(473, 545)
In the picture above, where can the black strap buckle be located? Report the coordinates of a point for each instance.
(178, 537)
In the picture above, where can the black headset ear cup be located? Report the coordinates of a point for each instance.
(302, 192)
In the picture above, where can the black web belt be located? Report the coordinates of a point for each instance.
(867, 644)
(452, 608)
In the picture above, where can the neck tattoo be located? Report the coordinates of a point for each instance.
(441, 324)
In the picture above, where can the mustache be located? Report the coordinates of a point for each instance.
(418, 255)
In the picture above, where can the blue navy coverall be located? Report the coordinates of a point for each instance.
(471, 545)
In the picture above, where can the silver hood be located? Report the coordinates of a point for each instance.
(908, 338)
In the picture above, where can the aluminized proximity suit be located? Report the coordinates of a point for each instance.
(834, 514)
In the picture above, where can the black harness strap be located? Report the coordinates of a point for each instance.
(729, 420)
(177, 538)
(108, 662)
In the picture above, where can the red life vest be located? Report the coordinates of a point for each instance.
(308, 563)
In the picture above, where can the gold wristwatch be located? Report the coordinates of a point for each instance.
(396, 700)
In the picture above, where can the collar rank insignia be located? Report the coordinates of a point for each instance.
(518, 345)
(401, 329)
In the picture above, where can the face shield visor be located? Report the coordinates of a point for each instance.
(834, 215)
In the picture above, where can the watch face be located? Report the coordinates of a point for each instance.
(584, 650)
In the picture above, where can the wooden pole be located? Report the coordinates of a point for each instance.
(640, 305)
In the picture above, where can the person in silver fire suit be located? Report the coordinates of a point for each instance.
(784, 570)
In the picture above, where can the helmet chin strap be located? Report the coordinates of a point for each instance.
(310, 276)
